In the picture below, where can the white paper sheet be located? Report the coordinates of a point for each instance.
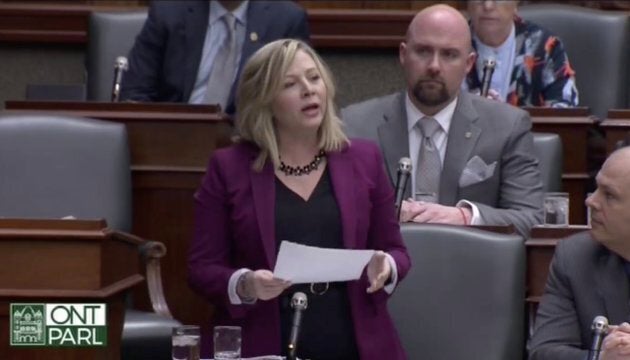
(307, 264)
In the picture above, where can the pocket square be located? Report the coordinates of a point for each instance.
(476, 170)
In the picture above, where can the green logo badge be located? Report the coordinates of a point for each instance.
(27, 325)
(58, 325)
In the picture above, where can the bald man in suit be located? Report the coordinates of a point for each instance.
(589, 274)
(489, 174)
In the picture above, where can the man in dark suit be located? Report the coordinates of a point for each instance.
(174, 54)
(487, 171)
(589, 275)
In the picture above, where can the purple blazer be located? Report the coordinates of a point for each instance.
(234, 228)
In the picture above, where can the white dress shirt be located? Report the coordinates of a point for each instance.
(440, 139)
(504, 55)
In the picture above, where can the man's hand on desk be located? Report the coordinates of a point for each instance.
(616, 345)
(424, 212)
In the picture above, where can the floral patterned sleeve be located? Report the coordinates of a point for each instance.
(558, 77)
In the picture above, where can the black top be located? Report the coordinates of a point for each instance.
(327, 331)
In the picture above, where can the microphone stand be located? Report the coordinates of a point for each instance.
(299, 303)
(404, 169)
(120, 67)
(599, 328)
(488, 71)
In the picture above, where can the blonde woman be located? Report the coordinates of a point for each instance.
(295, 176)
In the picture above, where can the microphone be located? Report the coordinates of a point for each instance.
(299, 302)
(488, 71)
(404, 170)
(599, 328)
(120, 66)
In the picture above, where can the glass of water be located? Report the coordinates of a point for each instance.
(227, 342)
(186, 341)
(556, 206)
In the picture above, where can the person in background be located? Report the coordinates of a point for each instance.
(475, 155)
(295, 176)
(192, 51)
(589, 274)
(532, 67)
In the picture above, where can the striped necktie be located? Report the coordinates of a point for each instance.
(224, 67)
(429, 164)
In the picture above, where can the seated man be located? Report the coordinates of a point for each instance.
(192, 51)
(532, 68)
(588, 276)
(484, 156)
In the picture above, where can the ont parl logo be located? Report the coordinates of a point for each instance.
(58, 325)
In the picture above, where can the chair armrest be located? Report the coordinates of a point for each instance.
(151, 252)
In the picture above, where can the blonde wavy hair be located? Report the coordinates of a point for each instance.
(260, 82)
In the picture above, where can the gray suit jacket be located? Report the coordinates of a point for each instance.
(585, 280)
(494, 131)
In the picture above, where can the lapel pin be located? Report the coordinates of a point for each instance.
(253, 36)
(468, 134)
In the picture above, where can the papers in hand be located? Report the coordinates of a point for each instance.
(308, 264)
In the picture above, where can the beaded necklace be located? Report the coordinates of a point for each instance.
(302, 170)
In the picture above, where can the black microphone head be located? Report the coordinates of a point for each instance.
(404, 165)
(121, 63)
(299, 301)
(600, 324)
(489, 63)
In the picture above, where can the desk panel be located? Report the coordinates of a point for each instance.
(573, 126)
(170, 145)
(616, 127)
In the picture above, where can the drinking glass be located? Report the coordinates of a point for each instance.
(186, 341)
(556, 209)
(227, 342)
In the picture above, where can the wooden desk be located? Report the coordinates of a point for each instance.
(616, 127)
(572, 125)
(170, 145)
(61, 261)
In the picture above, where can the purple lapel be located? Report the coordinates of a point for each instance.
(264, 194)
(342, 176)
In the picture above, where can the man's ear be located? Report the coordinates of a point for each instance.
(402, 51)
(470, 61)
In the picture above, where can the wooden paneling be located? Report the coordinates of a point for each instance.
(337, 24)
(45, 261)
(170, 146)
(26, 22)
(376, 4)
(616, 127)
(358, 28)
(573, 126)
(350, 24)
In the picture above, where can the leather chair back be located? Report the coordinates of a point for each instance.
(55, 166)
(464, 296)
(598, 45)
(110, 34)
(548, 149)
